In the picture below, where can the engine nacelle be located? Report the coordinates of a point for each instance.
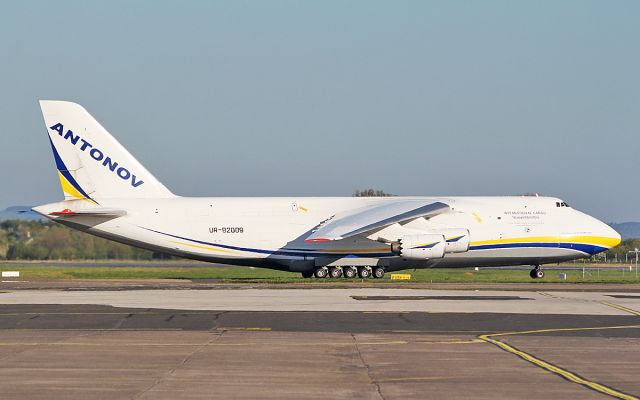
(457, 240)
(420, 247)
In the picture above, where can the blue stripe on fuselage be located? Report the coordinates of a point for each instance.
(585, 248)
(281, 252)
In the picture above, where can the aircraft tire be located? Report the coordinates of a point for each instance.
(335, 272)
(364, 272)
(536, 273)
(321, 272)
(378, 272)
(350, 272)
(307, 274)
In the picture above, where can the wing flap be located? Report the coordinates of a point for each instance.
(376, 217)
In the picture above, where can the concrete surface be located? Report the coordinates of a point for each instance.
(528, 302)
(313, 344)
(210, 284)
(291, 365)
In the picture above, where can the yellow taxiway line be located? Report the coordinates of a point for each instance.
(568, 375)
(621, 308)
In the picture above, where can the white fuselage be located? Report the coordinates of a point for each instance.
(271, 232)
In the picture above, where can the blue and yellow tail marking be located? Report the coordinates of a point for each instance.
(69, 184)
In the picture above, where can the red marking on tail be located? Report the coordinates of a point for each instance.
(66, 211)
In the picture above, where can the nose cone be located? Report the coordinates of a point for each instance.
(608, 237)
(611, 234)
(602, 236)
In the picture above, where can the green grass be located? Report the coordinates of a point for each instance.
(608, 275)
(245, 274)
(72, 272)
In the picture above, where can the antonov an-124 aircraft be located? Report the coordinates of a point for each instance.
(108, 193)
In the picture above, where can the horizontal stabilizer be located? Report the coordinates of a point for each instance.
(95, 212)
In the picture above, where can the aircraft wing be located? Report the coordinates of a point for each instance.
(375, 217)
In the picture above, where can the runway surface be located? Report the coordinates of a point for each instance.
(81, 342)
(337, 300)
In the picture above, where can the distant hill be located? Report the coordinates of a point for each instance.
(15, 213)
(628, 230)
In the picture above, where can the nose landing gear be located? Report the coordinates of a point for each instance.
(536, 273)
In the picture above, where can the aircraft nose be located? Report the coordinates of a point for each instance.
(610, 233)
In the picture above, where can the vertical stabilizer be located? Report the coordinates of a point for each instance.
(92, 164)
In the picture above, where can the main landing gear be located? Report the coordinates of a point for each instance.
(335, 272)
(350, 272)
(536, 273)
(347, 272)
(321, 272)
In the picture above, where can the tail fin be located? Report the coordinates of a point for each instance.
(91, 164)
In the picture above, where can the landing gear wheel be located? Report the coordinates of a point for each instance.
(321, 272)
(335, 272)
(364, 272)
(378, 272)
(307, 274)
(350, 272)
(536, 273)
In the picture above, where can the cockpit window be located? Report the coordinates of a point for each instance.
(561, 204)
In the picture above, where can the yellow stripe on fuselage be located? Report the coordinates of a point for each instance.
(197, 246)
(592, 240)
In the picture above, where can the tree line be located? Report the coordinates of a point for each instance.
(38, 240)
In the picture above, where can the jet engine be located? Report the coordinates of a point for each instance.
(420, 247)
(457, 240)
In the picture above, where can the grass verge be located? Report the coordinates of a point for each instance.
(246, 274)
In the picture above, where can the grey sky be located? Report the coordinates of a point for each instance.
(321, 98)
